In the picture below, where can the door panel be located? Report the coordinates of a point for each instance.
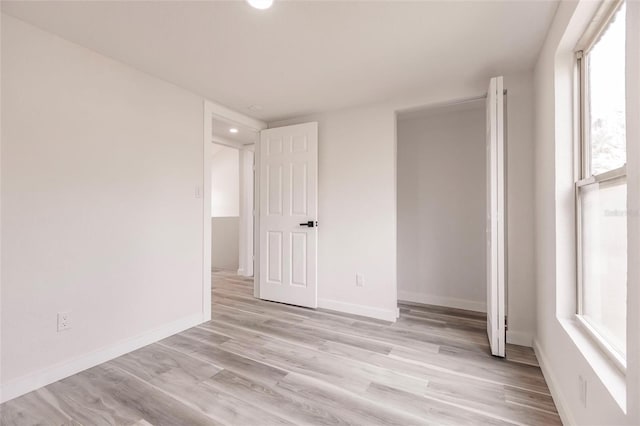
(299, 259)
(274, 255)
(274, 187)
(299, 189)
(496, 229)
(288, 160)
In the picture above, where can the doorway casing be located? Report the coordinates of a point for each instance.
(212, 110)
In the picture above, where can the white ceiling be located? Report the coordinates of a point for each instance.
(303, 57)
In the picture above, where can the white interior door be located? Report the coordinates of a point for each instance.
(496, 230)
(288, 210)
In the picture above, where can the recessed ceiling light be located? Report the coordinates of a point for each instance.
(260, 4)
(233, 130)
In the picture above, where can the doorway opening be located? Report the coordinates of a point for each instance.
(278, 206)
(441, 206)
(451, 181)
(228, 197)
(225, 209)
(232, 197)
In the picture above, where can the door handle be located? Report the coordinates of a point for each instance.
(310, 224)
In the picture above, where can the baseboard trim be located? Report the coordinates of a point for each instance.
(352, 308)
(556, 393)
(521, 338)
(449, 302)
(32, 381)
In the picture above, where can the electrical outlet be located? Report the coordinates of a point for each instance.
(64, 321)
(582, 390)
(359, 280)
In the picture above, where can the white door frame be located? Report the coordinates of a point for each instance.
(247, 219)
(445, 104)
(213, 110)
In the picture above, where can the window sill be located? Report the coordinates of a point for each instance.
(613, 379)
(602, 344)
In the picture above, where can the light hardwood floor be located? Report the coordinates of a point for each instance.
(262, 363)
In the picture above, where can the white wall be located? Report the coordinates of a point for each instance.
(224, 243)
(521, 293)
(100, 165)
(225, 182)
(1, 268)
(356, 210)
(633, 182)
(441, 207)
(357, 203)
(564, 351)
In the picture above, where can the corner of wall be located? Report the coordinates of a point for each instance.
(37, 379)
(520, 338)
(556, 392)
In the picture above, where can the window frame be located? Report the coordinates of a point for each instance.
(583, 176)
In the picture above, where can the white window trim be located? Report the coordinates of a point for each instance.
(584, 177)
(613, 378)
(604, 346)
(618, 359)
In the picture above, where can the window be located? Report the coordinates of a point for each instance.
(601, 188)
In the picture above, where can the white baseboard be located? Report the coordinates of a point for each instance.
(450, 302)
(32, 381)
(556, 393)
(521, 338)
(365, 311)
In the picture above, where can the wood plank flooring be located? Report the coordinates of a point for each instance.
(263, 363)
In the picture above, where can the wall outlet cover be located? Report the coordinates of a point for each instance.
(64, 321)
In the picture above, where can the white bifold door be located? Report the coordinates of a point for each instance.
(496, 229)
(288, 210)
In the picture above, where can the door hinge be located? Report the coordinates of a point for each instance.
(506, 323)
